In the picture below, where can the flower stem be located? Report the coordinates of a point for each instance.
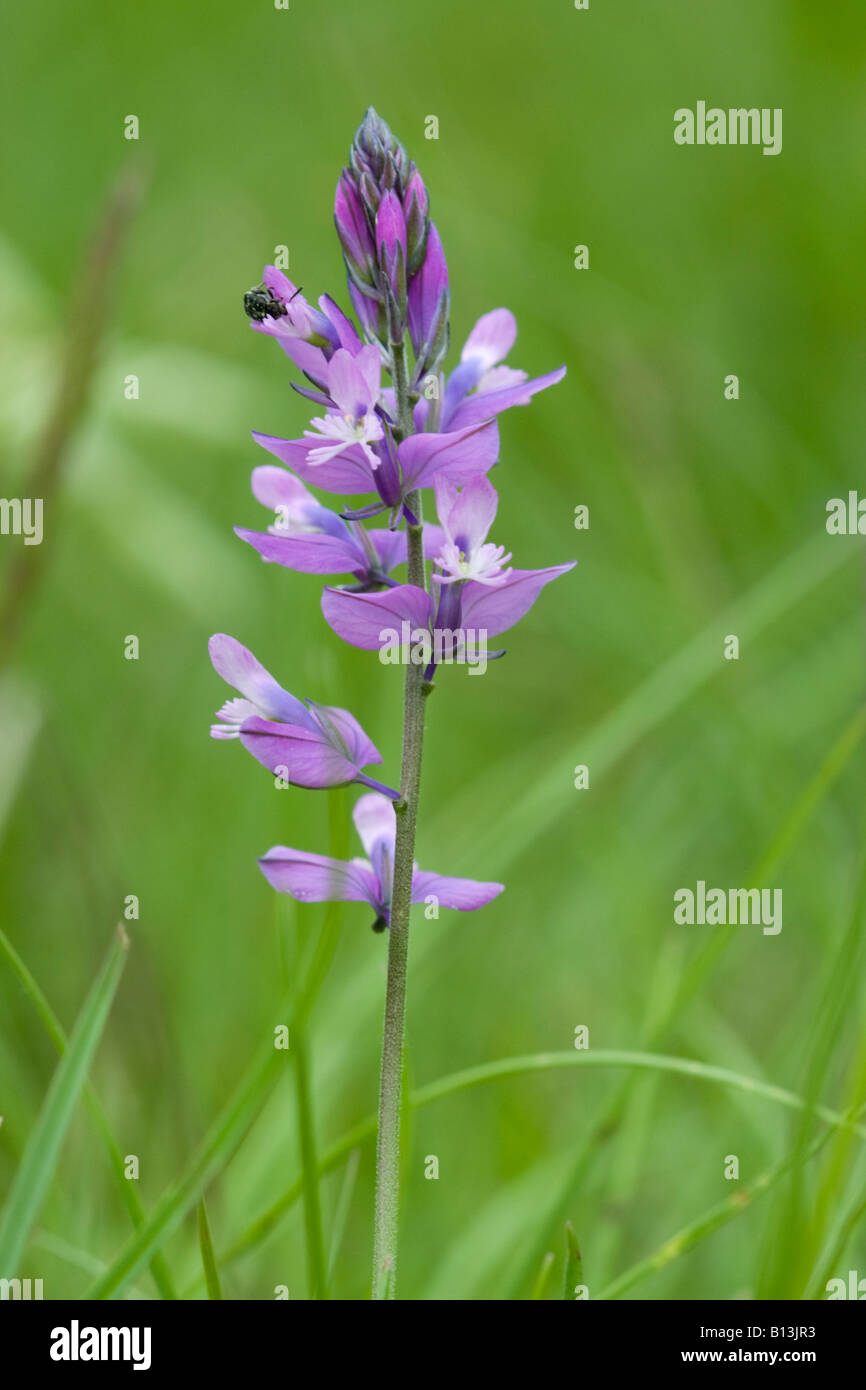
(388, 1138)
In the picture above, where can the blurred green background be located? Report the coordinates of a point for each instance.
(706, 519)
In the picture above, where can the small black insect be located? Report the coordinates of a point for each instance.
(262, 303)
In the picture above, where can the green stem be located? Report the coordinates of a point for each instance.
(388, 1137)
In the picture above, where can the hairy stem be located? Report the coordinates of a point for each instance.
(388, 1139)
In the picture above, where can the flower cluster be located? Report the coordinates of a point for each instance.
(387, 442)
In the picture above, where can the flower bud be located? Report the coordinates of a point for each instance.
(415, 207)
(371, 314)
(391, 255)
(354, 232)
(428, 307)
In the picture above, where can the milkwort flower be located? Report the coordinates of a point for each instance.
(473, 589)
(481, 387)
(317, 878)
(309, 745)
(391, 469)
(421, 430)
(310, 538)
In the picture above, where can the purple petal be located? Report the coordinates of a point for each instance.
(358, 748)
(346, 330)
(277, 488)
(308, 358)
(486, 404)
(348, 474)
(466, 894)
(353, 382)
(491, 339)
(239, 668)
(307, 554)
(279, 284)
(360, 619)
(368, 310)
(494, 608)
(467, 515)
(284, 494)
(390, 228)
(305, 757)
(314, 878)
(426, 291)
(352, 224)
(375, 822)
(459, 455)
(390, 548)
(434, 539)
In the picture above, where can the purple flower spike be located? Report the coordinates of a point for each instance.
(317, 878)
(309, 745)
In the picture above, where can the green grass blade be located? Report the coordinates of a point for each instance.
(216, 1148)
(214, 1151)
(341, 1215)
(42, 1150)
(699, 967)
(316, 1267)
(717, 1216)
(641, 1061)
(158, 1267)
(542, 1279)
(573, 1263)
(259, 1229)
(547, 796)
(211, 1273)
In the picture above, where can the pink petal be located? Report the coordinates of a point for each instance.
(359, 748)
(491, 339)
(349, 380)
(459, 455)
(467, 515)
(307, 554)
(348, 474)
(494, 608)
(486, 404)
(361, 619)
(239, 668)
(314, 878)
(276, 488)
(466, 894)
(375, 822)
(303, 756)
